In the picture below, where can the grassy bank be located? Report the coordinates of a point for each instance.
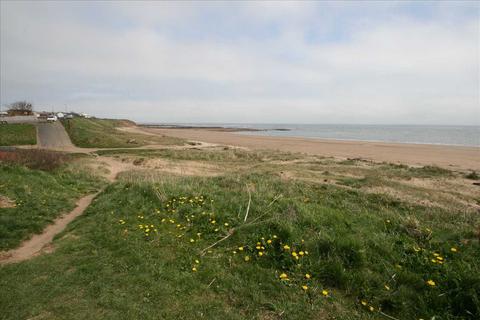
(17, 134)
(293, 247)
(103, 133)
(34, 198)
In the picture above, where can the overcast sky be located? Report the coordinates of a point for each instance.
(266, 62)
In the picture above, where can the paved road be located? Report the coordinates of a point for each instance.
(53, 135)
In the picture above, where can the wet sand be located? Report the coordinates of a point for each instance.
(413, 154)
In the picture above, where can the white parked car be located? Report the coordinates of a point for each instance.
(51, 118)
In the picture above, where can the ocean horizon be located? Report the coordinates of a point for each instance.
(454, 135)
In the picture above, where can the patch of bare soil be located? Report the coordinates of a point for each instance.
(6, 202)
(114, 167)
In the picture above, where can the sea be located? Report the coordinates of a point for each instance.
(416, 134)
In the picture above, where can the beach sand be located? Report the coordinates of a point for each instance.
(453, 157)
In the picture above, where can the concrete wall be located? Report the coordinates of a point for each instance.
(20, 119)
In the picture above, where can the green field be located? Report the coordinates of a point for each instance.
(37, 197)
(103, 133)
(303, 238)
(17, 134)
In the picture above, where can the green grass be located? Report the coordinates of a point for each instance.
(102, 133)
(218, 155)
(39, 197)
(17, 134)
(108, 266)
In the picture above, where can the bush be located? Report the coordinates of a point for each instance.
(472, 176)
(35, 158)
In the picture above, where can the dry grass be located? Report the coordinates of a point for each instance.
(35, 158)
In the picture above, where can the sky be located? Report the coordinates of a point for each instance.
(353, 62)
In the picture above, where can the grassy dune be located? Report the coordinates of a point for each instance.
(314, 245)
(17, 134)
(103, 133)
(34, 198)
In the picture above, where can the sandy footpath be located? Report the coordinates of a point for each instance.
(413, 154)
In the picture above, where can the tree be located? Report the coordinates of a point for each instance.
(21, 106)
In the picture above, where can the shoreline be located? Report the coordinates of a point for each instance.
(447, 156)
(210, 128)
(360, 140)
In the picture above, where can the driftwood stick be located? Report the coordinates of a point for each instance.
(230, 232)
(388, 316)
(248, 206)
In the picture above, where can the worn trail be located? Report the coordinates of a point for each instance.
(39, 243)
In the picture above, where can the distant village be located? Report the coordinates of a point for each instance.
(22, 111)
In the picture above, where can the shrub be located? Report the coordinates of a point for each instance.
(35, 158)
(473, 176)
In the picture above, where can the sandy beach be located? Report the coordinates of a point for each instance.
(454, 157)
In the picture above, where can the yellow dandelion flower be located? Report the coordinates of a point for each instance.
(371, 308)
(247, 258)
(306, 252)
(274, 237)
(431, 283)
(305, 287)
(325, 293)
(387, 287)
(301, 253)
(435, 254)
(192, 240)
(194, 269)
(269, 241)
(286, 247)
(307, 276)
(258, 247)
(240, 248)
(453, 249)
(260, 254)
(197, 261)
(363, 302)
(294, 254)
(213, 222)
(283, 276)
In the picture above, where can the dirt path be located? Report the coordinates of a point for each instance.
(39, 243)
